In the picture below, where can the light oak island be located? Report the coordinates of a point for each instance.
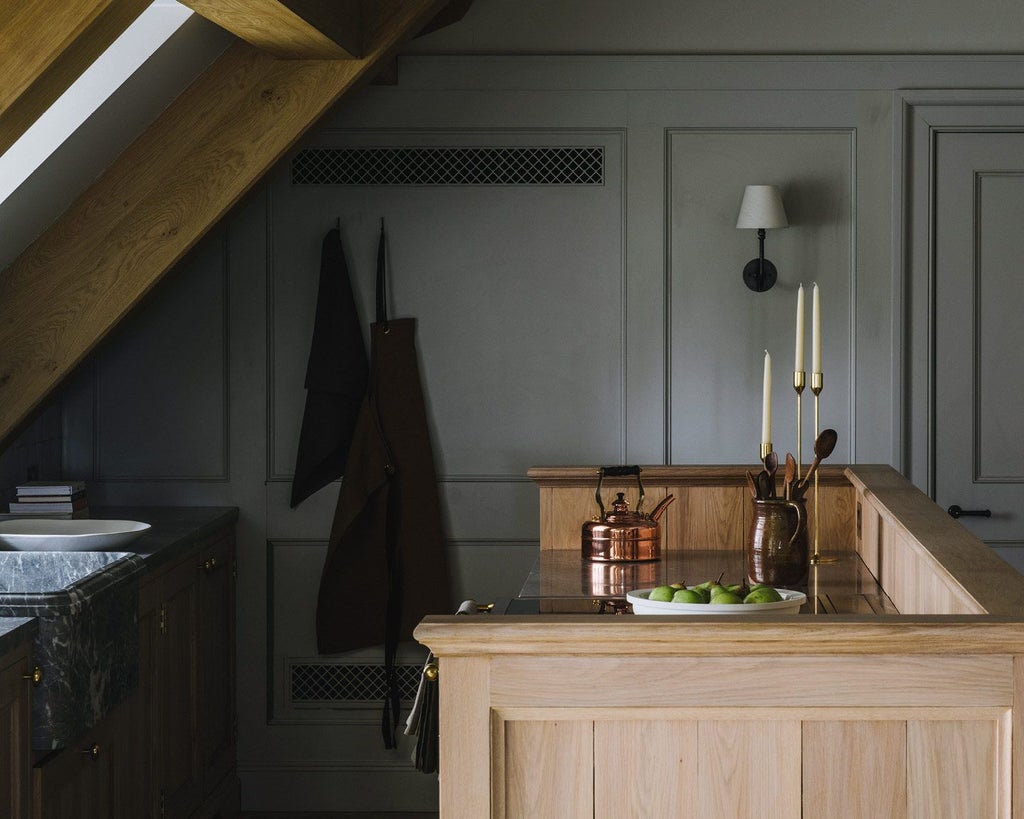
(912, 714)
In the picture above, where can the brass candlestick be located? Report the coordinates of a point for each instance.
(817, 382)
(766, 448)
(799, 380)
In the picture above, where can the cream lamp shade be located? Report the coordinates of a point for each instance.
(762, 208)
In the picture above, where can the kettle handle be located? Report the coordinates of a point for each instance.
(616, 472)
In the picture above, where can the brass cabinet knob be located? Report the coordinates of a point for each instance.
(93, 752)
(36, 676)
(430, 672)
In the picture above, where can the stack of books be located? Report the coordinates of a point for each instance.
(52, 499)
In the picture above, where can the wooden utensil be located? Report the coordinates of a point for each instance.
(771, 465)
(823, 446)
(790, 474)
(752, 484)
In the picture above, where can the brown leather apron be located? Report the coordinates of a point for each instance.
(386, 566)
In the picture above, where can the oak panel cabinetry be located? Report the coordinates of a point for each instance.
(186, 622)
(15, 737)
(915, 712)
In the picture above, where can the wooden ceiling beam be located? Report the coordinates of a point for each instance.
(46, 47)
(291, 29)
(71, 286)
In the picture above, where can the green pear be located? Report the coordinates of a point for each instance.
(661, 594)
(726, 598)
(705, 595)
(688, 596)
(764, 594)
(716, 588)
(678, 586)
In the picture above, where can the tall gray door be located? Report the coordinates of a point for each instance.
(979, 332)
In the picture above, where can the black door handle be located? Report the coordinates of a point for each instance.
(956, 512)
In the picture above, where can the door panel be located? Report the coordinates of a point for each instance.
(979, 338)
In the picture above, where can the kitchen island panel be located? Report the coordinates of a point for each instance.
(644, 767)
(549, 769)
(744, 682)
(955, 770)
(465, 738)
(706, 517)
(749, 768)
(855, 767)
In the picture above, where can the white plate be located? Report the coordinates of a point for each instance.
(82, 535)
(789, 604)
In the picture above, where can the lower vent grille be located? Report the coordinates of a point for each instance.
(345, 684)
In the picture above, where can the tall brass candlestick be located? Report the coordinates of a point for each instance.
(799, 380)
(817, 382)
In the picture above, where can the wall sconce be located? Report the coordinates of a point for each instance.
(761, 209)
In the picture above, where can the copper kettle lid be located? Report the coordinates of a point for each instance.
(622, 516)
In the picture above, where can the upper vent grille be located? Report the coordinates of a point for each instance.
(449, 166)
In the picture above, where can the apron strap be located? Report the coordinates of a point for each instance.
(382, 301)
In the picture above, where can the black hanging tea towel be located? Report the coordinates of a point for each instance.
(336, 377)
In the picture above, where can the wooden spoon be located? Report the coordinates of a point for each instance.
(790, 474)
(823, 446)
(771, 465)
(752, 484)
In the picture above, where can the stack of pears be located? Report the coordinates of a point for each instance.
(714, 593)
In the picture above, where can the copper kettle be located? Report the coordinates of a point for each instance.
(623, 534)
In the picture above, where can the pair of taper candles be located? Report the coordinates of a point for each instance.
(798, 363)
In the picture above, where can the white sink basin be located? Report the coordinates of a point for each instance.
(83, 535)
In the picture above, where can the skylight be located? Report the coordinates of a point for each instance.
(124, 56)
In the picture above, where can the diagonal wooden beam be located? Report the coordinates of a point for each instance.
(290, 29)
(45, 46)
(61, 296)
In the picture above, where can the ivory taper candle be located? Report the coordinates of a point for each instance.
(798, 359)
(766, 401)
(816, 331)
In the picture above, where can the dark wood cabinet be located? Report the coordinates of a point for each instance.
(15, 735)
(187, 647)
(169, 749)
(217, 723)
(95, 777)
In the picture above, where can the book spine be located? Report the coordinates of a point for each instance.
(37, 508)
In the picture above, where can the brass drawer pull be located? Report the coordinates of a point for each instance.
(36, 676)
(92, 752)
(209, 564)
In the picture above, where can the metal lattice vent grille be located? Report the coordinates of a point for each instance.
(450, 166)
(320, 683)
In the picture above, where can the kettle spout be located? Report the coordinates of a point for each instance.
(657, 511)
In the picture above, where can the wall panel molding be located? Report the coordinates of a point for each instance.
(704, 257)
(194, 287)
(358, 230)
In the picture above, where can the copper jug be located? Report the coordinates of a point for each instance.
(623, 534)
(776, 547)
